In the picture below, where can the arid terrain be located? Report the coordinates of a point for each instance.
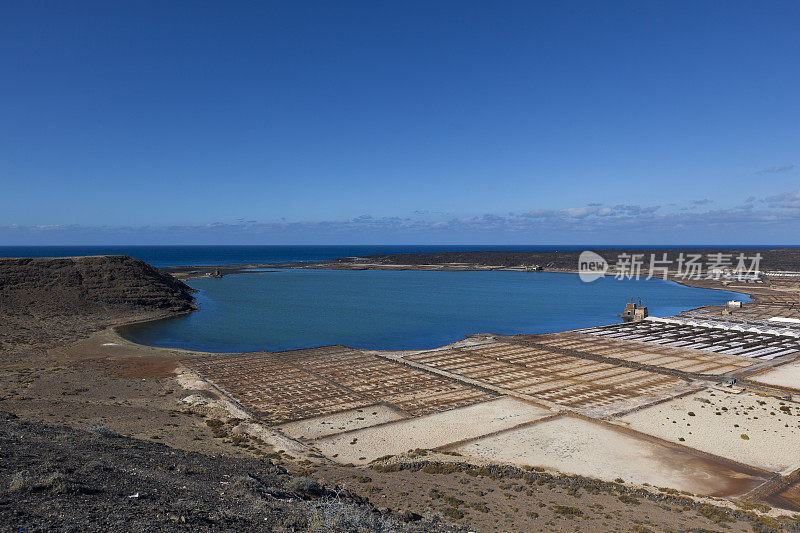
(778, 259)
(632, 427)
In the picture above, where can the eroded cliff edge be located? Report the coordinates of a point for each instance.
(47, 301)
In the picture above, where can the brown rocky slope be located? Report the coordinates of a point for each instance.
(47, 300)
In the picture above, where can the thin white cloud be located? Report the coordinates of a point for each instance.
(775, 170)
(781, 211)
(790, 200)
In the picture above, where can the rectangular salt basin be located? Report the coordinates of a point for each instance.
(577, 446)
(432, 431)
(787, 375)
(773, 436)
(782, 352)
(322, 426)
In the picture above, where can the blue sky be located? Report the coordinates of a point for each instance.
(399, 122)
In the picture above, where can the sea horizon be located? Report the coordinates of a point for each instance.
(164, 255)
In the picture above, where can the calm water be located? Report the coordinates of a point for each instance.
(402, 310)
(161, 256)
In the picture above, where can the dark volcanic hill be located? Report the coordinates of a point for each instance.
(43, 300)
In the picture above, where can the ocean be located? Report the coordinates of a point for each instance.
(402, 310)
(173, 255)
(378, 309)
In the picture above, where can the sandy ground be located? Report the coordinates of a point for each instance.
(134, 391)
(83, 394)
(745, 427)
(106, 383)
(323, 426)
(787, 375)
(365, 445)
(577, 446)
(507, 504)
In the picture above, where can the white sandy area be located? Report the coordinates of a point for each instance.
(787, 375)
(577, 446)
(192, 381)
(427, 432)
(322, 426)
(773, 436)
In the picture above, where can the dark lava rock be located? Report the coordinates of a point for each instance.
(62, 479)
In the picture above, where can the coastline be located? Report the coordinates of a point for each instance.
(158, 394)
(520, 318)
(780, 258)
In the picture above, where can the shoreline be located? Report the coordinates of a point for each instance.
(158, 393)
(120, 329)
(777, 258)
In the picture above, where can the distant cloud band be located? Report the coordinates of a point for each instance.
(781, 212)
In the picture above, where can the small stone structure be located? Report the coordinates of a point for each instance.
(634, 312)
